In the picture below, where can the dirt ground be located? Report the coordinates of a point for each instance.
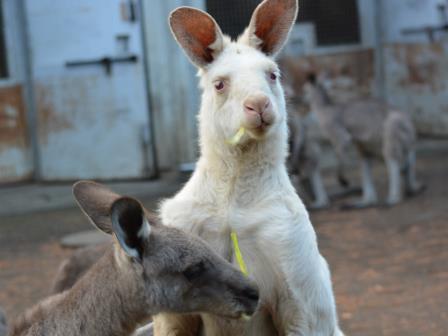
(389, 265)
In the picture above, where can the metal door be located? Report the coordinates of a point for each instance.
(89, 88)
(15, 154)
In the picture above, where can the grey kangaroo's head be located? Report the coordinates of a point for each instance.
(180, 272)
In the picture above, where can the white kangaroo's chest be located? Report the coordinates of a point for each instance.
(256, 225)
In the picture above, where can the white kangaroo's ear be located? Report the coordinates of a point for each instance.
(130, 225)
(95, 201)
(270, 25)
(197, 33)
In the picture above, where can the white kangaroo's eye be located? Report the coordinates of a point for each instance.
(219, 85)
(273, 76)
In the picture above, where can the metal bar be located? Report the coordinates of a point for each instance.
(29, 92)
(155, 159)
(104, 61)
(380, 75)
(426, 29)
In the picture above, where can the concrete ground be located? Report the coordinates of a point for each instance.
(389, 265)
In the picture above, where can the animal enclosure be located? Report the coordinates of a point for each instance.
(100, 90)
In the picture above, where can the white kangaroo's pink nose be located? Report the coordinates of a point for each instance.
(256, 104)
(258, 111)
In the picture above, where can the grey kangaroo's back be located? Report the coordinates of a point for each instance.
(373, 124)
(74, 267)
(70, 313)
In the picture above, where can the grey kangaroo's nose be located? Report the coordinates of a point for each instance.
(251, 293)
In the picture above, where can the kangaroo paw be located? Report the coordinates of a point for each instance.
(419, 189)
(316, 206)
(358, 205)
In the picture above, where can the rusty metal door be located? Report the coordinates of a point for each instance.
(15, 154)
(89, 88)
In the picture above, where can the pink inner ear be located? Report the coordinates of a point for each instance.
(195, 31)
(273, 22)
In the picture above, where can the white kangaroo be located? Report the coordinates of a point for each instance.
(150, 269)
(243, 186)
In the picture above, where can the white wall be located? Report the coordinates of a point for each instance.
(416, 68)
(173, 86)
(404, 14)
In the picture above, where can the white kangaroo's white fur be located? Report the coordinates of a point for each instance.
(246, 187)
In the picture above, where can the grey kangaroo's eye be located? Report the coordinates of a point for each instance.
(195, 271)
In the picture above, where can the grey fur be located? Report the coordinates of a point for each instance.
(75, 266)
(376, 130)
(176, 272)
(304, 161)
(3, 325)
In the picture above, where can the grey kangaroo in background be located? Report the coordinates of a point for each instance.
(3, 325)
(376, 130)
(304, 160)
(149, 269)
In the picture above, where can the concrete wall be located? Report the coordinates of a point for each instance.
(403, 14)
(173, 86)
(409, 71)
(350, 69)
(415, 68)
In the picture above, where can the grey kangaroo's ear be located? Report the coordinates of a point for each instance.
(197, 33)
(270, 25)
(95, 201)
(130, 225)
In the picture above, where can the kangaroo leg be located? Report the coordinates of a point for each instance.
(176, 325)
(320, 194)
(369, 197)
(395, 193)
(412, 185)
(3, 325)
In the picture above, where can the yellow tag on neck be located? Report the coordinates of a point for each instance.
(237, 251)
(237, 137)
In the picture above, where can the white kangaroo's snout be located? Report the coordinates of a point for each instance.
(258, 112)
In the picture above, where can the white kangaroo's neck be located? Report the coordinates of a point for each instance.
(254, 155)
(240, 168)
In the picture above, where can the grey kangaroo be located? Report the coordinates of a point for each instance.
(304, 159)
(149, 269)
(377, 130)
